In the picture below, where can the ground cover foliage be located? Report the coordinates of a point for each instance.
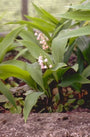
(56, 64)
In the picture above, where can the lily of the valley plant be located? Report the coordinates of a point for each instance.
(48, 48)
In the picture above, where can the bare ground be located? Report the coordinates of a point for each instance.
(76, 124)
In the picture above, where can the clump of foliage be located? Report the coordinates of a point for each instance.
(48, 43)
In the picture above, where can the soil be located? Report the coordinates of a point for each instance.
(72, 124)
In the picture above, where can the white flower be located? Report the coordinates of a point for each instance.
(43, 40)
(40, 60)
(46, 60)
(47, 47)
(45, 67)
(40, 63)
(43, 46)
(38, 38)
(44, 43)
(40, 57)
(50, 66)
(40, 34)
(42, 66)
(35, 33)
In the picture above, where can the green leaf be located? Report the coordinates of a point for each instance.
(7, 41)
(60, 108)
(70, 48)
(35, 50)
(58, 49)
(60, 27)
(80, 102)
(81, 6)
(77, 87)
(75, 67)
(36, 73)
(77, 15)
(74, 33)
(71, 79)
(47, 76)
(26, 54)
(80, 60)
(46, 15)
(70, 101)
(8, 70)
(68, 53)
(33, 25)
(59, 69)
(3, 99)
(18, 110)
(16, 63)
(58, 66)
(28, 36)
(5, 91)
(86, 72)
(23, 51)
(30, 101)
(84, 45)
(48, 26)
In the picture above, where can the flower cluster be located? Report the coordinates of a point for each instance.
(42, 39)
(43, 63)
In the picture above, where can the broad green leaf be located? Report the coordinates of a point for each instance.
(80, 60)
(86, 72)
(5, 91)
(58, 49)
(27, 55)
(33, 25)
(59, 70)
(71, 79)
(23, 51)
(8, 70)
(47, 73)
(36, 73)
(46, 15)
(69, 51)
(74, 33)
(7, 41)
(77, 86)
(81, 6)
(75, 67)
(58, 66)
(28, 36)
(77, 15)
(84, 45)
(60, 27)
(48, 26)
(35, 50)
(30, 101)
(16, 63)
